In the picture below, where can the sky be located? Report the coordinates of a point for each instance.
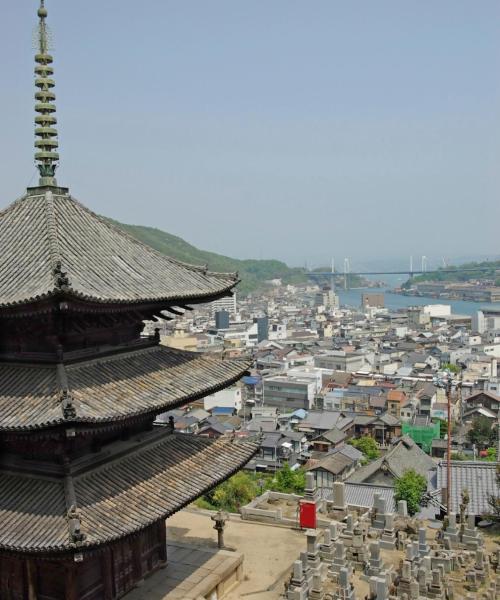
(297, 130)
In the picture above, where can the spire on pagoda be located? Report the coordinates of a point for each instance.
(46, 143)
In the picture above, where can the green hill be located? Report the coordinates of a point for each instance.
(252, 273)
(491, 269)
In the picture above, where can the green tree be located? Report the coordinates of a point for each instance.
(367, 445)
(481, 432)
(410, 487)
(234, 493)
(491, 455)
(288, 481)
(443, 428)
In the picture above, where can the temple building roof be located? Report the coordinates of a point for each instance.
(95, 505)
(51, 244)
(111, 388)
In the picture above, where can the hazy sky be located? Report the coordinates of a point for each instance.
(271, 128)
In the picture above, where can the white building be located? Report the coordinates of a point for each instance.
(478, 322)
(277, 331)
(307, 372)
(289, 393)
(338, 360)
(229, 398)
(437, 310)
(228, 303)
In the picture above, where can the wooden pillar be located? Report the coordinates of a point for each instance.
(31, 579)
(162, 530)
(71, 591)
(136, 543)
(108, 574)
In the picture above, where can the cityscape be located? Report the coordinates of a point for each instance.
(179, 424)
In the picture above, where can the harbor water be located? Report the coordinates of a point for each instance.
(352, 299)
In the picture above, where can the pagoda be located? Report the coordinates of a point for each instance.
(86, 477)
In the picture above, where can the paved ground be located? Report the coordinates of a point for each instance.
(268, 551)
(190, 573)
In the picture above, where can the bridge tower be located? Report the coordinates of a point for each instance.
(347, 269)
(332, 283)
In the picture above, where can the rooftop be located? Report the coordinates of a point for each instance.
(109, 388)
(119, 491)
(478, 477)
(51, 245)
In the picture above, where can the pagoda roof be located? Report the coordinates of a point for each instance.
(159, 474)
(51, 244)
(110, 388)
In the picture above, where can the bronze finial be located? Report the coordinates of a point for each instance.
(46, 143)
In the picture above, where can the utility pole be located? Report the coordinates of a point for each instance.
(448, 448)
(459, 400)
(498, 436)
(447, 383)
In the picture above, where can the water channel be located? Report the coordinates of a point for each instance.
(352, 298)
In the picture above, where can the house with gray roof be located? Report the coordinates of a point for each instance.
(386, 469)
(321, 421)
(335, 466)
(478, 477)
(328, 440)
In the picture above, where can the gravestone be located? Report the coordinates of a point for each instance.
(339, 501)
(402, 508)
(423, 547)
(388, 538)
(297, 589)
(339, 559)
(326, 548)
(345, 590)
(316, 592)
(452, 534)
(313, 559)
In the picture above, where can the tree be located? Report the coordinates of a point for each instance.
(410, 487)
(288, 481)
(490, 456)
(237, 491)
(367, 445)
(481, 433)
(443, 428)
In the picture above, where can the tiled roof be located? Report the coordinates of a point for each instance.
(111, 388)
(321, 420)
(333, 463)
(403, 456)
(334, 436)
(50, 243)
(350, 451)
(360, 494)
(151, 482)
(479, 478)
(396, 395)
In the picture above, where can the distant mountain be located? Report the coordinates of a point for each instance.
(252, 273)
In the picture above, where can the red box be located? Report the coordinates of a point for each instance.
(307, 515)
